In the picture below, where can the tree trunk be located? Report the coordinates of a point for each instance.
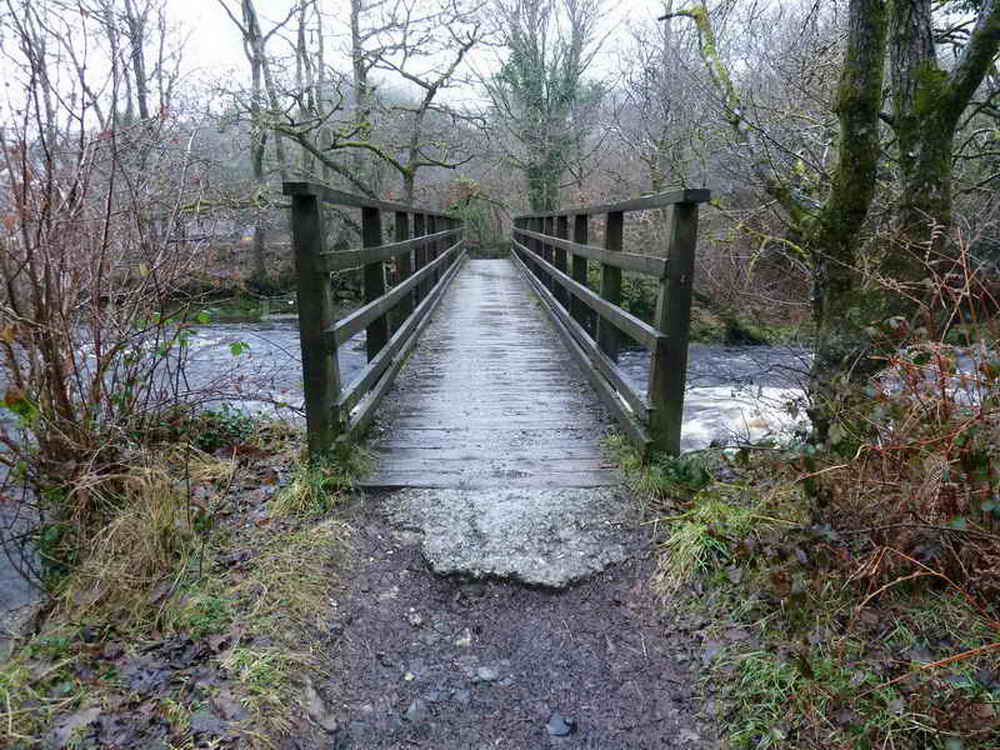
(839, 307)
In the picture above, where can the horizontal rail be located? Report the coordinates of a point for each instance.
(614, 387)
(353, 324)
(338, 260)
(358, 422)
(621, 319)
(659, 200)
(392, 318)
(646, 264)
(340, 198)
(542, 246)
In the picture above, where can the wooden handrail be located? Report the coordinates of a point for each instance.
(392, 319)
(339, 260)
(540, 247)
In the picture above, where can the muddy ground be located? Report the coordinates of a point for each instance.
(424, 661)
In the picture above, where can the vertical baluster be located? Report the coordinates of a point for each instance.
(611, 283)
(433, 226)
(668, 366)
(320, 369)
(374, 279)
(549, 228)
(581, 236)
(538, 225)
(404, 266)
(562, 232)
(420, 254)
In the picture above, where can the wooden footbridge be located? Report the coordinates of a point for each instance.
(496, 394)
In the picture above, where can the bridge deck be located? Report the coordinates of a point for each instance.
(491, 398)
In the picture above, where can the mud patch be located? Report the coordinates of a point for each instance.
(423, 661)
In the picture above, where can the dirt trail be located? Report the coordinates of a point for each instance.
(425, 661)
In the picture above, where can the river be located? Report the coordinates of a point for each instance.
(734, 394)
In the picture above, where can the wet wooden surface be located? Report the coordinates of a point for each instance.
(490, 398)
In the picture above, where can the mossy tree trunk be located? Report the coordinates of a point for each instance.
(927, 106)
(838, 301)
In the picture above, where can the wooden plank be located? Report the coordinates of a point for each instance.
(428, 480)
(659, 200)
(608, 396)
(642, 332)
(347, 327)
(648, 265)
(490, 397)
(343, 259)
(472, 453)
(340, 198)
(668, 367)
(320, 369)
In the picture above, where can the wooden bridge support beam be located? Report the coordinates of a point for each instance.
(668, 364)
(608, 336)
(320, 369)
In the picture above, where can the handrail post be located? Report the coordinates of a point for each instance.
(420, 255)
(668, 366)
(548, 228)
(374, 278)
(562, 232)
(538, 225)
(611, 283)
(404, 267)
(581, 236)
(320, 368)
(432, 249)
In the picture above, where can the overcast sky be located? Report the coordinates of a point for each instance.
(214, 47)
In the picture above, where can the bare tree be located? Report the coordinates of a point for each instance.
(263, 108)
(541, 98)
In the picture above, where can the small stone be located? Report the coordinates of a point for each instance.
(487, 674)
(560, 726)
(464, 640)
(206, 723)
(417, 711)
(415, 619)
(462, 696)
(409, 677)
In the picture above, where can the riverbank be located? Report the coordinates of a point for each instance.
(203, 634)
(815, 630)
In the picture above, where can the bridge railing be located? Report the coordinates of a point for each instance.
(426, 253)
(593, 323)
